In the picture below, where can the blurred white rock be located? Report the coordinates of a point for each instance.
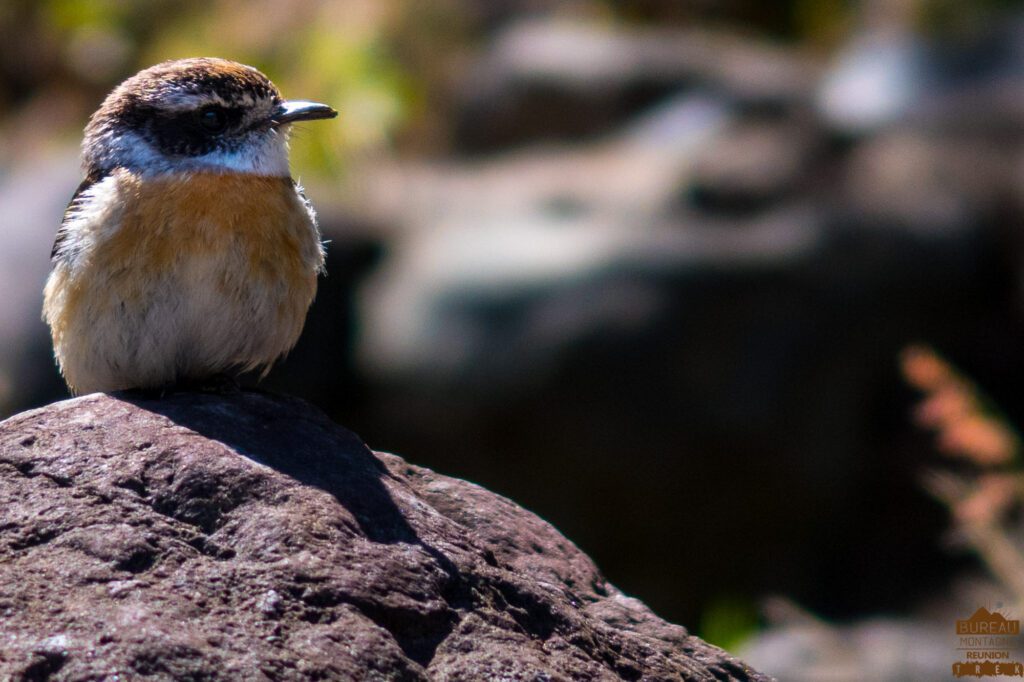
(875, 80)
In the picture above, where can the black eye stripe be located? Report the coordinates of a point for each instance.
(183, 133)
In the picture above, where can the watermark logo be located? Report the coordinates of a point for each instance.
(986, 640)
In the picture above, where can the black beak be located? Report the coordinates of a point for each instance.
(298, 110)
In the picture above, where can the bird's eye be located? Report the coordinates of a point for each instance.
(213, 119)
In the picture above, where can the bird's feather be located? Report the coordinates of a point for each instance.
(62, 231)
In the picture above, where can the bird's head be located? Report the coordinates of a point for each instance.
(195, 114)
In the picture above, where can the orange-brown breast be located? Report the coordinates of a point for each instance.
(168, 220)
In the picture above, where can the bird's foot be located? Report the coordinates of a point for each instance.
(220, 384)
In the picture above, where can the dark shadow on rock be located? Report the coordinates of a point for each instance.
(299, 442)
(294, 438)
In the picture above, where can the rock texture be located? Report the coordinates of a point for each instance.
(249, 537)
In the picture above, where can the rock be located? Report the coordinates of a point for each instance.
(753, 166)
(876, 80)
(546, 79)
(33, 196)
(248, 537)
(927, 185)
(888, 74)
(875, 649)
(475, 240)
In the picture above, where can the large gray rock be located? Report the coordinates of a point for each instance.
(248, 537)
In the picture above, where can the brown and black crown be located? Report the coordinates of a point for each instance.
(187, 107)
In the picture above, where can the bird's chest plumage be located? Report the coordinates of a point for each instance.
(183, 275)
(254, 225)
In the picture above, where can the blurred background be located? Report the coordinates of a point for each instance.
(647, 267)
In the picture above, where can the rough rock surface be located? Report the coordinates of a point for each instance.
(249, 537)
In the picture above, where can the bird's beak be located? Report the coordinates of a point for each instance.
(298, 110)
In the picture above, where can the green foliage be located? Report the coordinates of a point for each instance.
(729, 621)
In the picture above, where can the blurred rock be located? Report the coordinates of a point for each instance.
(926, 183)
(876, 79)
(878, 650)
(515, 229)
(752, 166)
(246, 536)
(889, 74)
(33, 197)
(545, 79)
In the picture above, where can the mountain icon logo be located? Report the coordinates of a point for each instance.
(985, 622)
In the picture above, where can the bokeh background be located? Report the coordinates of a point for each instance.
(644, 266)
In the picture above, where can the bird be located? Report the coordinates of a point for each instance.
(188, 252)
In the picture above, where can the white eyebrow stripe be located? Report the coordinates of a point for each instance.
(183, 100)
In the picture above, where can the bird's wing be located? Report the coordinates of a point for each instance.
(62, 232)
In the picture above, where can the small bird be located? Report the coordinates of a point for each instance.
(188, 252)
